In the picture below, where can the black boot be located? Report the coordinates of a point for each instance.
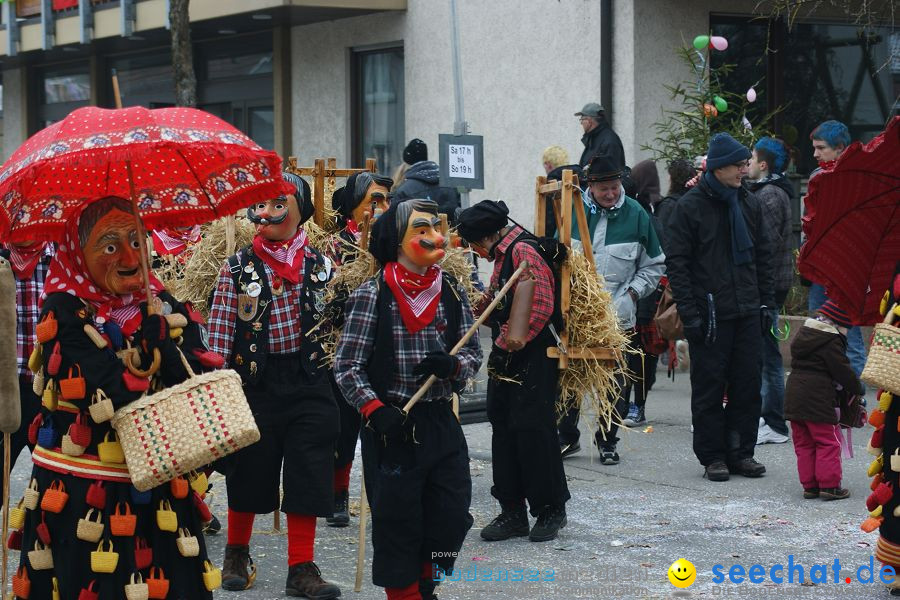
(238, 570)
(341, 516)
(305, 580)
(511, 522)
(426, 589)
(548, 524)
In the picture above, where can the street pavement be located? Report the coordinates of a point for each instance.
(626, 524)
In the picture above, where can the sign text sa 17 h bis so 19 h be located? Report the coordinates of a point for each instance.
(461, 161)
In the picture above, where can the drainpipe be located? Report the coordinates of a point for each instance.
(606, 58)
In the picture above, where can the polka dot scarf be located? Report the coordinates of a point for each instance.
(68, 274)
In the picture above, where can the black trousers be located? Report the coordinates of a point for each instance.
(298, 425)
(345, 446)
(524, 447)
(420, 490)
(730, 364)
(607, 434)
(31, 406)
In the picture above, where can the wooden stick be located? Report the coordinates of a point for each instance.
(462, 342)
(7, 465)
(116, 94)
(361, 543)
(364, 232)
(142, 240)
(319, 193)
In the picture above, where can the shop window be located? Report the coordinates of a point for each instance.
(815, 72)
(60, 90)
(378, 108)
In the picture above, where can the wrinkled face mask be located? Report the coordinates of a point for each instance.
(423, 243)
(374, 199)
(112, 254)
(276, 219)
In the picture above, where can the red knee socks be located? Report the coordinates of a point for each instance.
(240, 527)
(410, 592)
(301, 538)
(342, 477)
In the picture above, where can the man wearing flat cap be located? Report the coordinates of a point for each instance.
(522, 380)
(628, 256)
(599, 137)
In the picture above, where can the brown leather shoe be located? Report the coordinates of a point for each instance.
(305, 580)
(238, 570)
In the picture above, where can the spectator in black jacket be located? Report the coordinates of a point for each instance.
(719, 263)
(770, 160)
(421, 181)
(599, 138)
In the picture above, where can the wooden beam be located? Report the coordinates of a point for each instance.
(549, 188)
(319, 192)
(583, 232)
(565, 236)
(582, 353)
(540, 212)
(371, 165)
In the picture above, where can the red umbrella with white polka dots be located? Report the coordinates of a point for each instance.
(179, 166)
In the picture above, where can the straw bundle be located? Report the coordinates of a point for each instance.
(458, 263)
(591, 324)
(195, 280)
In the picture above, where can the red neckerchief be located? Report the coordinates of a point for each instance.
(25, 260)
(353, 228)
(417, 295)
(171, 241)
(284, 257)
(68, 274)
(827, 165)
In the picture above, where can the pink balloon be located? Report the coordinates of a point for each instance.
(751, 95)
(718, 42)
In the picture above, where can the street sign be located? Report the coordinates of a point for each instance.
(461, 158)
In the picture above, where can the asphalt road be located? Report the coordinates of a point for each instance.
(626, 525)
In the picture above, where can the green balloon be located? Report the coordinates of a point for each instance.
(701, 42)
(720, 103)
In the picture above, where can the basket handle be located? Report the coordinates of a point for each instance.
(185, 362)
(889, 315)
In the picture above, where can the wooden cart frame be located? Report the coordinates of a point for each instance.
(324, 168)
(560, 196)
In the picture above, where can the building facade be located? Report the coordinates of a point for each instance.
(358, 78)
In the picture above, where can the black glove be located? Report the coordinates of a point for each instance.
(437, 363)
(766, 321)
(388, 421)
(693, 332)
(155, 331)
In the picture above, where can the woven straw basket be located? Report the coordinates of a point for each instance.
(883, 364)
(184, 427)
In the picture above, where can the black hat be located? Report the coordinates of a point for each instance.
(484, 219)
(415, 151)
(385, 237)
(602, 168)
(302, 193)
(724, 150)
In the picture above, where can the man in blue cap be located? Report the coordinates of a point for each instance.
(719, 262)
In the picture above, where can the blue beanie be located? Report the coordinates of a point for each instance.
(724, 150)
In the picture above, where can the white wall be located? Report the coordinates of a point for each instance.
(527, 67)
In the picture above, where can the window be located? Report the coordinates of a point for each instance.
(816, 72)
(144, 79)
(60, 90)
(378, 113)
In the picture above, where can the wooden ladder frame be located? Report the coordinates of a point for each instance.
(560, 196)
(324, 168)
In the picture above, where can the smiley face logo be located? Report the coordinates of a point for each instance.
(682, 573)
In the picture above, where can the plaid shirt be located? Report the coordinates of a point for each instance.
(542, 307)
(28, 292)
(358, 338)
(285, 334)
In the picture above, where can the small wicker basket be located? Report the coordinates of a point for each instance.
(184, 427)
(883, 363)
(90, 529)
(41, 558)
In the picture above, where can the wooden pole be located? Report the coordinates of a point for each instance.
(7, 465)
(361, 540)
(116, 95)
(468, 335)
(565, 284)
(319, 192)
(370, 165)
(142, 240)
(540, 211)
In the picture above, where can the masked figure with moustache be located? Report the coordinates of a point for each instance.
(416, 465)
(268, 298)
